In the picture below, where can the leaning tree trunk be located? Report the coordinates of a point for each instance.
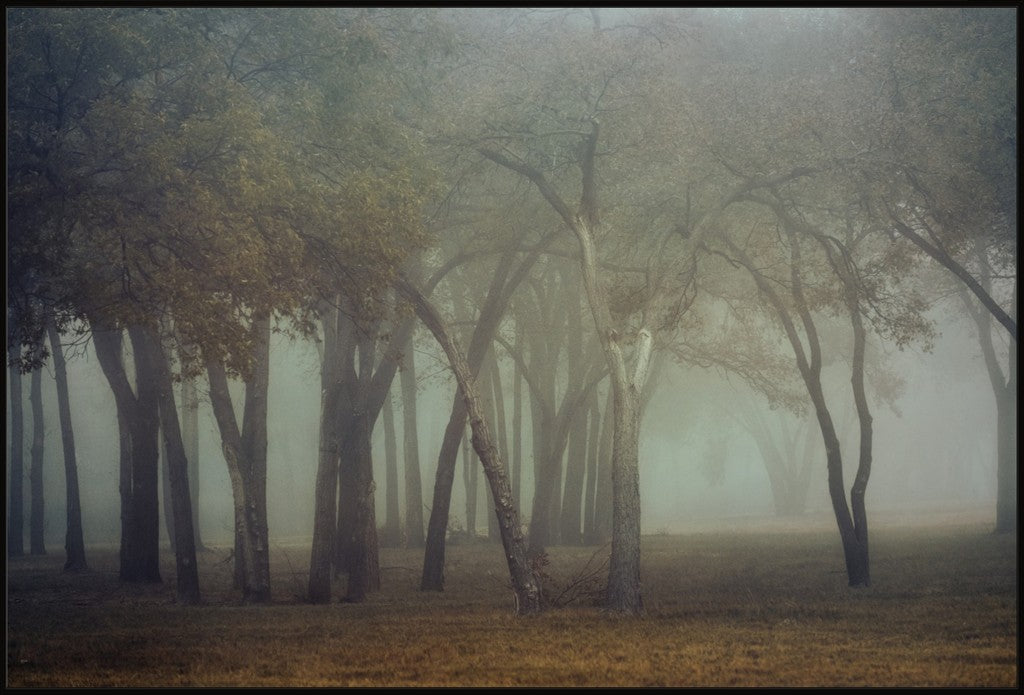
(138, 418)
(525, 583)
(37, 518)
(74, 542)
(860, 481)
(16, 518)
(158, 369)
(505, 281)
(469, 482)
(810, 371)
(1004, 387)
(623, 590)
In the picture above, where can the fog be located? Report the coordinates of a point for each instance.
(937, 454)
(782, 242)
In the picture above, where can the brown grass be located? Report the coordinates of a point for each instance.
(753, 606)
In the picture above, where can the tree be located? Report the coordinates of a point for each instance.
(410, 443)
(74, 542)
(37, 518)
(245, 452)
(392, 533)
(1004, 389)
(525, 583)
(16, 485)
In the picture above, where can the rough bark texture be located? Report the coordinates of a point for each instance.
(138, 418)
(525, 583)
(74, 543)
(16, 486)
(469, 481)
(486, 325)
(37, 514)
(410, 439)
(245, 453)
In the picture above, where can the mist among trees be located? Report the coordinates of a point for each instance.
(366, 278)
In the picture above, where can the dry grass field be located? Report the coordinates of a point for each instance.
(763, 604)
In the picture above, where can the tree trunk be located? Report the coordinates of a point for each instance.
(854, 551)
(158, 369)
(410, 439)
(190, 437)
(325, 497)
(525, 583)
(603, 494)
(362, 558)
(245, 453)
(1006, 448)
(590, 491)
(623, 591)
(517, 430)
(576, 455)
(16, 518)
(165, 498)
(138, 417)
(37, 518)
(539, 536)
(497, 411)
(503, 283)
(392, 533)
(575, 472)
(74, 542)
(1004, 388)
(357, 525)
(437, 525)
(469, 479)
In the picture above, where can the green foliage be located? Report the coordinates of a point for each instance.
(163, 165)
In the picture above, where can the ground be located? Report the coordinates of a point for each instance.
(751, 603)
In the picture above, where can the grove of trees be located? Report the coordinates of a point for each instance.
(563, 200)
